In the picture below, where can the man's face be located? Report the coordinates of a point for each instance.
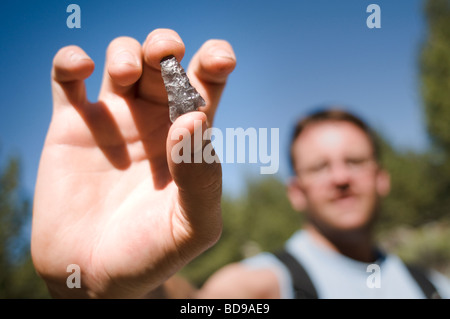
(338, 176)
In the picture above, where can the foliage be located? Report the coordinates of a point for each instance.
(435, 79)
(427, 245)
(435, 72)
(413, 192)
(18, 278)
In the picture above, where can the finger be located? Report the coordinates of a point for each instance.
(199, 180)
(123, 67)
(159, 44)
(71, 65)
(208, 73)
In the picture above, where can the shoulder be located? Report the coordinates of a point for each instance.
(239, 281)
(427, 280)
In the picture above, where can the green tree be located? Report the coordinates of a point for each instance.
(421, 181)
(435, 80)
(18, 278)
(413, 193)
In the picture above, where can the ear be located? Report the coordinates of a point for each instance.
(296, 195)
(383, 183)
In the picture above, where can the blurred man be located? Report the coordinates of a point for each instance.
(338, 185)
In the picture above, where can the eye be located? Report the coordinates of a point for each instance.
(357, 161)
(318, 167)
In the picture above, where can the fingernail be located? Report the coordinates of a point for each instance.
(125, 57)
(74, 57)
(221, 53)
(164, 37)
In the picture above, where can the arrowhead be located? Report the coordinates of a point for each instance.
(182, 96)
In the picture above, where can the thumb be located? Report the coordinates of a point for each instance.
(197, 172)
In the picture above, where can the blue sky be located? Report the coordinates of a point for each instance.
(291, 57)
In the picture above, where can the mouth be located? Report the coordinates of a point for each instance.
(345, 200)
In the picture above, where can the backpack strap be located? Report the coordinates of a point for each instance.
(302, 284)
(422, 280)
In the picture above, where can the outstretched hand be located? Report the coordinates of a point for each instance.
(109, 198)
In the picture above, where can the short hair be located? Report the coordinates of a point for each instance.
(334, 114)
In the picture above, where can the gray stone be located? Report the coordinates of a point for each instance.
(182, 96)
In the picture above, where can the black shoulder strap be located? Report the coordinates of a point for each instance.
(303, 287)
(422, 280)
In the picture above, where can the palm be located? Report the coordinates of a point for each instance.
(105, 195)
(107, 188)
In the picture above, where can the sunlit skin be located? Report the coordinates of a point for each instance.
(108, 196)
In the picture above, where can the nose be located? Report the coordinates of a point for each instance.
(340, 176)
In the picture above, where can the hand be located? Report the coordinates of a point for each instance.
(108, 196)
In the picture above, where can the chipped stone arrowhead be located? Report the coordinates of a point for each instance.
(182, 96)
